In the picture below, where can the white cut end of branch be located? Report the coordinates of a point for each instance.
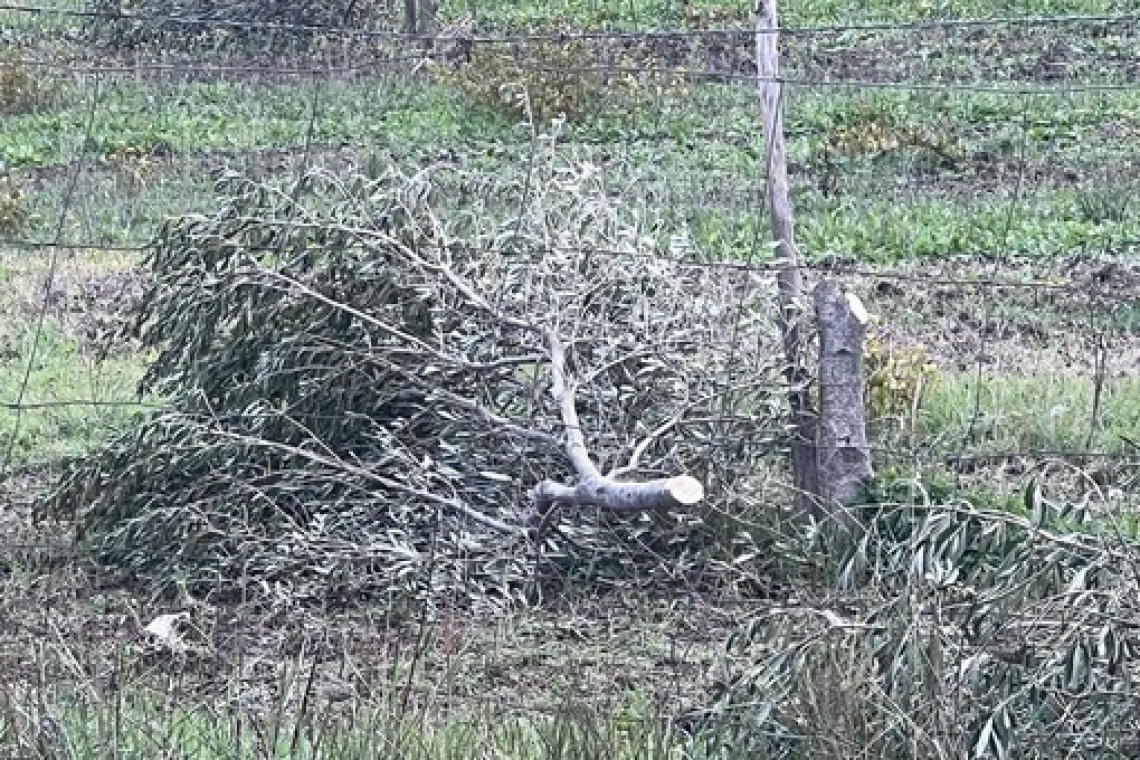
(858, 310)
(163, 631)
(164, 626)
(686, 490)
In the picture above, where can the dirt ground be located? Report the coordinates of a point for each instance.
(64, 618)
(66, 622)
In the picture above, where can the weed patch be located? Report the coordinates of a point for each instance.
(15, 213)
(559, 78)
(19, 91)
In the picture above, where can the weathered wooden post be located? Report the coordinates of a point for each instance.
(830, 456)
(789, 281)
(419, 17)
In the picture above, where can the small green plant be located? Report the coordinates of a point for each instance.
(548, 78)
(897, 380)
(136, 164)
(873, 131)
(15, 216)
(18, 89)
(703, 15)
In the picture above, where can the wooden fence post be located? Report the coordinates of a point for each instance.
(805, 468)
(843, 456)
(419, 17)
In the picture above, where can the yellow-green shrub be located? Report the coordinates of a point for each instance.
(897, 379)
(18, 88)
(14, 213)
(548, 78)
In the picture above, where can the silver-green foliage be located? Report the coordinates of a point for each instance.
(955, 632)
(360, 394)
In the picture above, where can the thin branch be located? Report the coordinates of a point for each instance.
(362, 472)
(563, 392)
(642, 445)
(450, 397)
(363, 317)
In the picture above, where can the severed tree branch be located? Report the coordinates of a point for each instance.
(594, 488)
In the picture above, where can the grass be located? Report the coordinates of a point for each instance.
(135, 723)
(523, 684)
(152, 148)
(225, 116)
(73, 402)
(50, 357)
(1025, 413)
(913, 179)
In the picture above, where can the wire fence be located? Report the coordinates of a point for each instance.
(970, 180)
(92, 182)
(989, 22)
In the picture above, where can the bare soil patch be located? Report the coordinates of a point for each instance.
(87, 629)
(1046, 315)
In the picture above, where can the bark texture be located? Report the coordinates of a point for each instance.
(843, 454)
(788, 279)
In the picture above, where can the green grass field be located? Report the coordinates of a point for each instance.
(1004, 152)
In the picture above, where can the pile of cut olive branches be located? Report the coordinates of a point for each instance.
(363, 402)
(955, 631)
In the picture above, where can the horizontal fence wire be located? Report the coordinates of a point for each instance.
(809, 30)
(994, 282)
(991, 279)
(973, 316)
(1070, 88)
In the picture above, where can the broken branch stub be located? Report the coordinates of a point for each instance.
(595, 489)
(604, 492)
(844, 455)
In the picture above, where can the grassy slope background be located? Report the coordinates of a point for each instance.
(933, 184)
